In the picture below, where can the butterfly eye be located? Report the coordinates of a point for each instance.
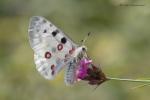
(83, 49)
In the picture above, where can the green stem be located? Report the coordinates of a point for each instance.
(129, 80)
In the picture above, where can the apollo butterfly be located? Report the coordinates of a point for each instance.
(54, 50)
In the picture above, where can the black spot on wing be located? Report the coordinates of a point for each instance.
(50, 25)
(44, 21)
(63, 40)
(54, 33)
(45, 31)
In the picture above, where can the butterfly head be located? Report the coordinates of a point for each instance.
(84, 48)
(83, 51)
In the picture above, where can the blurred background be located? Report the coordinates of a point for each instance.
(120, 42)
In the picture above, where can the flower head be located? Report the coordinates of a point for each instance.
(83, 66)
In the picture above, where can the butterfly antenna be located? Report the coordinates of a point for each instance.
(85, 38)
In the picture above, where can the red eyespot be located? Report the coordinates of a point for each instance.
(71, 50)
(52, 67)
(59, 47)
(53, 72)
(47, 55)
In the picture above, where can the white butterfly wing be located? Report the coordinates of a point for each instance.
(50, 46)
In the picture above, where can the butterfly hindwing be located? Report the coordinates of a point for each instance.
(50, 46)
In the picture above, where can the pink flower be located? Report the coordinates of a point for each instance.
(82, 71)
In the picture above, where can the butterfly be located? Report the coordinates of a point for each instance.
(54, 50)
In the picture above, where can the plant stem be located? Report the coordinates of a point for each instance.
(129, 80)
(140, 86)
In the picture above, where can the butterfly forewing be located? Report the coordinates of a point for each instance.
(50, 46)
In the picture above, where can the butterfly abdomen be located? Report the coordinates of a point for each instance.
(70, 77)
